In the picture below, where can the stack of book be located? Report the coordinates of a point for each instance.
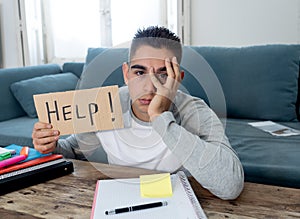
(36, 168)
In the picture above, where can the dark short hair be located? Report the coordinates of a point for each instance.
(156, 37)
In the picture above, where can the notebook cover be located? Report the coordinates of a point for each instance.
(40, 173)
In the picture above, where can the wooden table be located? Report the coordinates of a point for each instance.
(72, 196)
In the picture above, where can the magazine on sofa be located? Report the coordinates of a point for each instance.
(275, 128)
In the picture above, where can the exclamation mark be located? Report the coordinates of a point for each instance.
(111, 106)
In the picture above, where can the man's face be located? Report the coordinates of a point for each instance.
(136, 76)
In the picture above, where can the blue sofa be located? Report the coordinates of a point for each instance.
(241, 85)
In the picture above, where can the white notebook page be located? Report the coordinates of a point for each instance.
(117, 193)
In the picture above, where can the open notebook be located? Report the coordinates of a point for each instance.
(116, 193)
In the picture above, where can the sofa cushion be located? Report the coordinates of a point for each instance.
(259, 82)
(17, 131)
(10, 107)
(266, 158)
(25, 89)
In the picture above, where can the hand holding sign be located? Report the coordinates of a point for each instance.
(81, 110)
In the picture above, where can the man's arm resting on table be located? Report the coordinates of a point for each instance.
(212, 162)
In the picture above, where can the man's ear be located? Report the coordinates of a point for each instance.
(182, 74)
(125, 69)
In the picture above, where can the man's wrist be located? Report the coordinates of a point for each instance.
(154, 116)
(162, 122)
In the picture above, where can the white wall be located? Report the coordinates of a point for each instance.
(213, 22)
(10, 33)
(245, 22)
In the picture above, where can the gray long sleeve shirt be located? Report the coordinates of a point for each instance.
(194, 134)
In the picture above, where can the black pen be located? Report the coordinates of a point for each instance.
(136, 208)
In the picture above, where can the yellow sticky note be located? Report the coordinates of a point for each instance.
(156, 185)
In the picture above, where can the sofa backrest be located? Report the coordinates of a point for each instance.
(255, 82)
(74, 67)
(258, 82)
(103, 67)
(10, 107)
(298, 100)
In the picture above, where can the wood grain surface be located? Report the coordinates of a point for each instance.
(72, 196)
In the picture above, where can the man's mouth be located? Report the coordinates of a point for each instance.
(145, 101)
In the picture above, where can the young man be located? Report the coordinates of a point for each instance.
(167, 130)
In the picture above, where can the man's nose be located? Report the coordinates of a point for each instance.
(148, 85)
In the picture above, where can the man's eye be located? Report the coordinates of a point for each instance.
(162, 75)
(139, 73)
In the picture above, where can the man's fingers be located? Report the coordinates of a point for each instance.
(44, 133)
(169, 68)
(174, 75)
(45, 145)
(176, 69)
(46, 148)
(154, 79)
(44, 138)
(45, 141)
(42, 125)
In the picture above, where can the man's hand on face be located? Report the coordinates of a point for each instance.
(166, 92)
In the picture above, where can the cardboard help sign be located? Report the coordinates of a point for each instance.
(81, 111)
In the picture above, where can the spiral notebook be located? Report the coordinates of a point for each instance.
(118, 193)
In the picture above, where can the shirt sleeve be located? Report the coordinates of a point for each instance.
(85, 146)
(199, 142)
